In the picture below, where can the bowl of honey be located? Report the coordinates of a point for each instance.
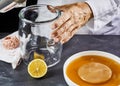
(92, 68)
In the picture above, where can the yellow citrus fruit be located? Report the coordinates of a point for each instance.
(37, 68)
(38, 56)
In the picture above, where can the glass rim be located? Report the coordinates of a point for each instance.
(58, 13)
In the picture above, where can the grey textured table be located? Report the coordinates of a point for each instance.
(54, 76)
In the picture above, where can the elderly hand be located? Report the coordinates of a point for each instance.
(73, 17)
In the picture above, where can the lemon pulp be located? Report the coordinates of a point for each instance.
(38, 56)
(37, 68)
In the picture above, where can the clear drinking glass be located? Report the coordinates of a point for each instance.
(35, 34)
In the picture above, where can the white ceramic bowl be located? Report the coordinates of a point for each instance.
(84, 53)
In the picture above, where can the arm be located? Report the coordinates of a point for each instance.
(99, 13)
(104, 11)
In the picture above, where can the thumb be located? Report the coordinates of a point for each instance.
(62, 8)
(65, 7)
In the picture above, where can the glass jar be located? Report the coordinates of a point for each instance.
(35, 34)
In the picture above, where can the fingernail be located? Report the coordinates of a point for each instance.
(52, 35)
(51, 8)
(54, 26)
(56, 39)
(62, 42)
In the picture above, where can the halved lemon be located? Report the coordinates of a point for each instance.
(37, 68)
(38, 56)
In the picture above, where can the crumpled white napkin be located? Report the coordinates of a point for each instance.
(10, 56)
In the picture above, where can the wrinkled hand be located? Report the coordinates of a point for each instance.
(73, 17)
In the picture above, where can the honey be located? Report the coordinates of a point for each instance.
(72, 70)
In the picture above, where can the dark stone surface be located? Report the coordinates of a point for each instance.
(54, 76)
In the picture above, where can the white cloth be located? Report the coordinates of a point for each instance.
(106, 19)
(10, 56)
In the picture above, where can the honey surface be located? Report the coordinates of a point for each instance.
(72, 70)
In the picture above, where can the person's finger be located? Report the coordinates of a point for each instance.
(65, 37)
(59, 31)
(64, 7)
(69, 34)
(64, 34)
(64, 27)
(72, 27)
(56, 39)
(51, 8)
(61, 20)
(74, 31)
(67, 24)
